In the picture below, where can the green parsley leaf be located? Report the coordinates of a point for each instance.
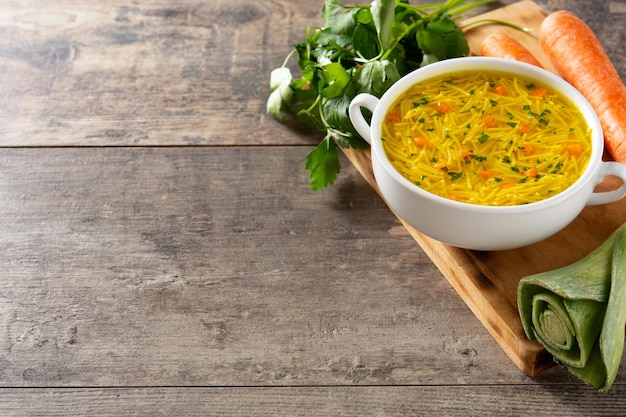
(479, 158)
(383, 13)
(423, 101)
(442, 38)
(483, 138)
(375, 77)
(323, 164)
(336, 79)
(365, 42)
(330, 8)
(336, 21)
(335, 113)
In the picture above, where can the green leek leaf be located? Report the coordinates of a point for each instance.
(578, 312)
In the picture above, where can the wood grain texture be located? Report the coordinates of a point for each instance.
(148, 73)
(486, 401)
(144, 73)
(217, 266)
(161, 252)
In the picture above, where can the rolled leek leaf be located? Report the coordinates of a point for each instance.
(578, 312)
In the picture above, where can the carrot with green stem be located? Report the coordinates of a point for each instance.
(501, 45)
(580, 59)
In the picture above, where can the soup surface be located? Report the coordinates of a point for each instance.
(487, 138)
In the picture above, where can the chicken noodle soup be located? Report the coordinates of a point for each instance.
(487, 138)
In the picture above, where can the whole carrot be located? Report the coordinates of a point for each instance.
(580, 59)
(503, 46)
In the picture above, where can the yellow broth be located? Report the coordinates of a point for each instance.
(487, 138)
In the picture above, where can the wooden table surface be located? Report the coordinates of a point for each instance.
(162, 253)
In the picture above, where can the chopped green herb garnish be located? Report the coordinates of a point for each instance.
(423, 101)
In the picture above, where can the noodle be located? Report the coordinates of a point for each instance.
(487, 138)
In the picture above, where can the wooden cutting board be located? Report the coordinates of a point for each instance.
(487, 281)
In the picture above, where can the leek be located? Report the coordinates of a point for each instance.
(578, 312)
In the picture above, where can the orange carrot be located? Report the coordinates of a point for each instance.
(580, 59)
(574, 149)
(531, 172)
(443, 107)
(528, 150)
(500, 89)
(486, 174)
(490, 121)
(420, 141)
(538, 92)
(394, 117)
(524, 127)
(503, 46)
(465, 153)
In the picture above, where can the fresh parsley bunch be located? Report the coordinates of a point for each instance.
(359, 49)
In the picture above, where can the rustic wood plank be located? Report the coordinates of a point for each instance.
(168, 281)
(144, 73)
(217, 266)
(505, 400)
(154, 74)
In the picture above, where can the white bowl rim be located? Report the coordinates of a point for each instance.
(455, 65)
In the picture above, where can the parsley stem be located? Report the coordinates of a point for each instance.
(498, 22)
(286, 61)
(315, 104)
(453, 7)
(462, 9)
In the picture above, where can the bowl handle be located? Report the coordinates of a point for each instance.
(356, 116)
(609, 168)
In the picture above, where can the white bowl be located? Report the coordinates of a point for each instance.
(474, 226)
